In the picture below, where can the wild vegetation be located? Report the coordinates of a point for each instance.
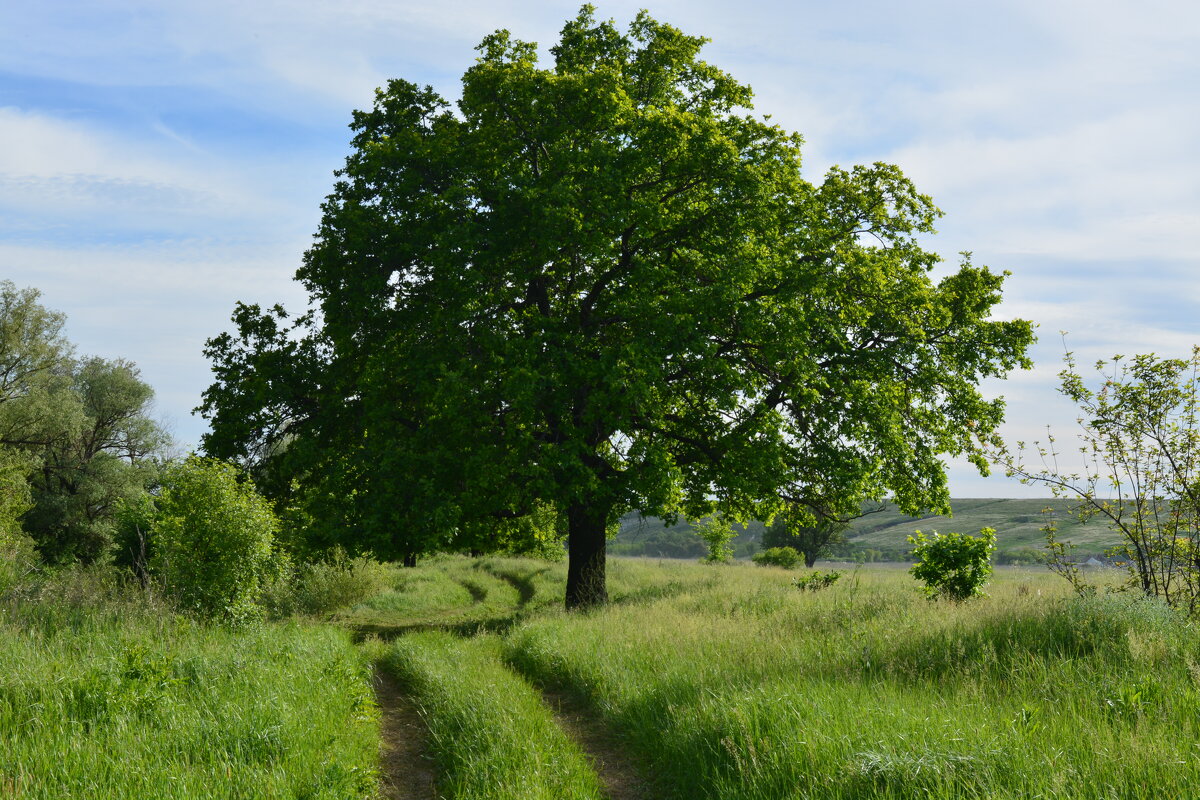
(883, 535)
(105, 692)
(1140, 473)
(707, 681)
(592, 291)
(600, 287)
(76, 436)
(729, 682)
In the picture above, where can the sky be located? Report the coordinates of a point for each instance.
(160, 161)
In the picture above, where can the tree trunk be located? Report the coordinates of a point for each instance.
(410, 559)
(810, 558)
(587, 540)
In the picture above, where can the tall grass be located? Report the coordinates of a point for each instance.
(108, 695)
(751, 689)
(492, 736)
(457, 591)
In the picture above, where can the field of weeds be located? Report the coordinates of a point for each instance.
(729, 682)
(106, 694)
(722, 682)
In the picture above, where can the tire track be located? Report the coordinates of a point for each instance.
(621, 778)
(406, 769)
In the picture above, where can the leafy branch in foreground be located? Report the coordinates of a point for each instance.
(1139, 448)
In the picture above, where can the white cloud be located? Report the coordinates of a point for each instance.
(156, 305)
(1058, 136)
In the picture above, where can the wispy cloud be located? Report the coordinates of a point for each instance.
(159, 161)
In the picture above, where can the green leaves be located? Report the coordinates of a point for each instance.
(953, 565)
(213, 538)
(604, 285)
(79, 428)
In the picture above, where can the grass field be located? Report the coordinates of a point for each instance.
(721, 682)
(729, 683)
(105, 696)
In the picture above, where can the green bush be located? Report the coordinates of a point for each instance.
(18, 559)
(15, 498)
(786, 557)
(953, 565)
(816, 581)
(213, 537)
(338, 582)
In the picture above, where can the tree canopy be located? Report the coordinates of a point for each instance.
(599, 287)
(810, 537)
(76, 436)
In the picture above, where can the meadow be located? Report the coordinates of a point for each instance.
(106, 693)
(697, 681)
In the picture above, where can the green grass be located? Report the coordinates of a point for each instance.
(459, 592)
(120, 699)
(721, 682)
(491, 734)
(470, 594)
(751, 689)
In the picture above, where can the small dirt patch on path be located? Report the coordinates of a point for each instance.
(621, 779)
(407, 770)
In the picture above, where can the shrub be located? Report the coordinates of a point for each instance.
(338, 582)
(15, 498)
(816, 581)
(18, 559)
(132, 544)
(953, 565)
(716, 532)
(785, 557)
(213, 539)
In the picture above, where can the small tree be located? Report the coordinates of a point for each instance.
(716, 532)
(809, 533)
(1140, 441)
(953, 565)
(213, 537)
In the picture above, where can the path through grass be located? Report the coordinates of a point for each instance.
(489, 732)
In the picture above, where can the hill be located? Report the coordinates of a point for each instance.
(882, 534)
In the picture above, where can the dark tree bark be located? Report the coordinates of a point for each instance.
(587, 542)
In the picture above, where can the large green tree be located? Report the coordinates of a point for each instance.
(111, 454)
(76, 435)
(599, 287)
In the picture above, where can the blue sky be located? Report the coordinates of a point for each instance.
(160, 161)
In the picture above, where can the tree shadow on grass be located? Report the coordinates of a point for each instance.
(523, 583)
(387, 631)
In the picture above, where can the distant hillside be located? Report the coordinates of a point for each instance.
(882, 534)
(1018, 524)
